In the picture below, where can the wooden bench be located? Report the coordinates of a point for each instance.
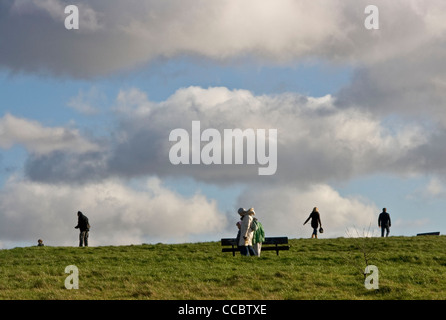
(429, 234)
(270, 243)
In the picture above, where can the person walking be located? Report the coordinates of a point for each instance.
(84, 227)
(384, 222)
(258, 236)
(315, 221)
(246, 233)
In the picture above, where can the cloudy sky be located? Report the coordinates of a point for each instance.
(85, 117)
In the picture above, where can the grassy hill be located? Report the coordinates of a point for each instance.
(409, 268)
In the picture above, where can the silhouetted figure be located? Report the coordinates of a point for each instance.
(315, 221)
(40, 243)
(384, 222)
(84, 227)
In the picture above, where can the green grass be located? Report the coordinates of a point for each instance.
(409, 268)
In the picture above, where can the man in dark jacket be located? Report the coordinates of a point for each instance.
(384, 222)
(84, 227)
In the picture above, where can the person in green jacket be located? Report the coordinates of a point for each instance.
(258, 237)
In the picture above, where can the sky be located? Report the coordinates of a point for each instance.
(86, 115)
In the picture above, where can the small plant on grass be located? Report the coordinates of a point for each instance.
(366, 245)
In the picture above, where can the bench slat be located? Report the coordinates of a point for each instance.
(270, 244)
(429, 234)
(228, 242)
(268, 240)
(276, 240)
(263, 249)
(275, 248)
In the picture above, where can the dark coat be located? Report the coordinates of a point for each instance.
(315, 219)
(82, 223)
(384, 219)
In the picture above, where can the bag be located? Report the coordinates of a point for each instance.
(254, 225)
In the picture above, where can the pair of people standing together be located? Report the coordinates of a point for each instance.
(251, 234)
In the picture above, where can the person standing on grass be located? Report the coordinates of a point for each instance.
(384, 222)
(315, 221)
(246, 233)
(258, 236)
(84, 227)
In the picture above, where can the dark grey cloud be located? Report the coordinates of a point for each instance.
(427, 158)
(63, 167)
(411, 85)
(117, 35)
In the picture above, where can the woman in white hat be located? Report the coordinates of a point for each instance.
(245, 241)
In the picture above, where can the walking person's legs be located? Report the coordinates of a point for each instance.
(257, 248)
(81, 238)
(244, 250)
(254, 247)
(86, 239)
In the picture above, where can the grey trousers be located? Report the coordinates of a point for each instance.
(83, 238)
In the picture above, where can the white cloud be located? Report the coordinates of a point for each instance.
(283, 210)
(434, 189)
(317, 141)
(87, 103)
(118, 214)
(42, 140)
(133, 102)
